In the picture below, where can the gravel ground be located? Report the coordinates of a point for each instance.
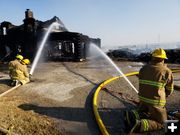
(58, 100)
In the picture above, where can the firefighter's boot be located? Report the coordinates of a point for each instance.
(15, 83)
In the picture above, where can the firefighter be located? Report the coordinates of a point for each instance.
(155, 85)
(20, 73)
(12, 66)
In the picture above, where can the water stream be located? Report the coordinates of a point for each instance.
(38, 54)
(94, 47)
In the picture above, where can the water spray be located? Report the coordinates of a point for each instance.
(114, 65)
(38, 54)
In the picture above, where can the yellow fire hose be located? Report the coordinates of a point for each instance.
(95, 97)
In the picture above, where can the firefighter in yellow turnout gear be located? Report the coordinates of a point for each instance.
(155, 85)
(19, 72)
(12, 65)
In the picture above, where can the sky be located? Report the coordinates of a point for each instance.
(115, 22)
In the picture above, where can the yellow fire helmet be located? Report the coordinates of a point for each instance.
(20, 57)
(26, 61)
(159, 53)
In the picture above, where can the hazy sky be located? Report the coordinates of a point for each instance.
(116, 22)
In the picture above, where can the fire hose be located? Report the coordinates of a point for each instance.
(102, 87)
(4, 131)
(11, 89)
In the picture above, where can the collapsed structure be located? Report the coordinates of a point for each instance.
(24, 39)
(127, 54)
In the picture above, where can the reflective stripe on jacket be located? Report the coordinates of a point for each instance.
(145, 125)
(155, 84)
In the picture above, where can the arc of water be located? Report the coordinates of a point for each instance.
(38, 54)
(115, 66)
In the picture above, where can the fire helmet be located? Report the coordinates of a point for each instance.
(20, 57)
(159, 53)
(26, 61)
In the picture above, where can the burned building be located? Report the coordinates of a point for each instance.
(24, 39)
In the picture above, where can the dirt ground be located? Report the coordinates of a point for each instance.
(58, 101)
